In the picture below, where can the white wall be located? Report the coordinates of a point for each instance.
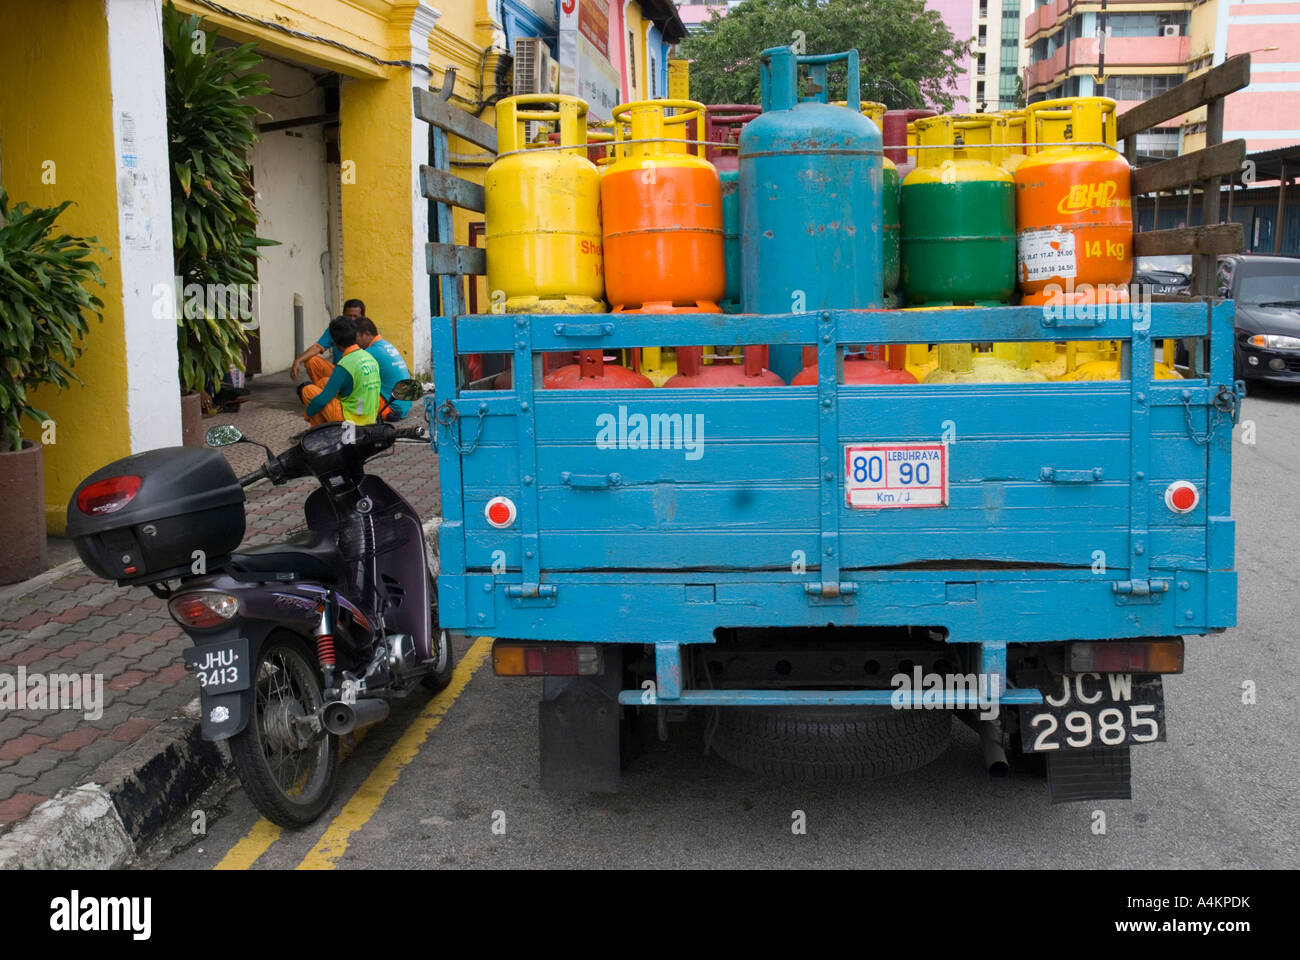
(292, 199)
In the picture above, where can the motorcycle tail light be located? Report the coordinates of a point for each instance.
(513, 659)
(1139, 656)
(107, 496)
(203, 610)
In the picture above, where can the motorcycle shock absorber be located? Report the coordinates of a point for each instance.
(324, 634)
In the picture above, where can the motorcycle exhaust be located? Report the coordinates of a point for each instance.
(339, 718)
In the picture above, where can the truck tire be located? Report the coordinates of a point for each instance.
(818, 744)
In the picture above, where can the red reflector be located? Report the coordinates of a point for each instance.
(499, 513)
(1183, 498)
(534, 662)
(107, 496)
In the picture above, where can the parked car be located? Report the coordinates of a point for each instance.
(1169, 275)
(1267, 295)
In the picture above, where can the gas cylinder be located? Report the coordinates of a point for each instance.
(662, 212)
(810, 198)
(861, 366)
(723, 123)
(896, 128)
(958, 209)
(959, 363)
(1013, 151)
(752, 372)
(543, 212)
(890, 252)
(591, 372)
(1074, 222)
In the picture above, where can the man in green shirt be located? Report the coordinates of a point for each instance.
(352, 391)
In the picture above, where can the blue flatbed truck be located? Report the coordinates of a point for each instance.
(760, 552)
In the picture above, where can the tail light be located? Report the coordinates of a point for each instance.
(512, 659)
(203, 610)
(1137, 656)
(107, 496)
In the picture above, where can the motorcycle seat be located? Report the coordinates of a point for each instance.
(305, 556)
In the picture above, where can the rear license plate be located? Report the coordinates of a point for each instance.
(220, 667)
(1090, 710)
(883, 475)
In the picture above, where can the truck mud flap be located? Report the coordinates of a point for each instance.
(580, 730)
(1104, 774)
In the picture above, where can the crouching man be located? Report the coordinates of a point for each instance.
(351, 390)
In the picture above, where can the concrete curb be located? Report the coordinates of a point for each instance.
(132, 796)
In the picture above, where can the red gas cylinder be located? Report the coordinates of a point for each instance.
(894, 135)
(723, 123)
(693, 372)
(870, 368)
(591, 372)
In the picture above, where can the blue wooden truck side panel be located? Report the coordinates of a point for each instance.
(1056, 525)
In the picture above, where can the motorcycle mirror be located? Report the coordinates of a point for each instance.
(223, 435)
(408, 390)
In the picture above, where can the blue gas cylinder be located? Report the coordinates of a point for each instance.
(811, 198)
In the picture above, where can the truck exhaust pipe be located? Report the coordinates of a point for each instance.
(995, 758)
(339, 718)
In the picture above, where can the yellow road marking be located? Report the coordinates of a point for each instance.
(264, 833)
(363, 804)
(242, 854)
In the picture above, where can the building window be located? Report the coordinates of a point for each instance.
(979, 63)
(979, 92)
(1141, 86)
(984, 8)
(1146, 24)
(1158, 143)
(983, 36)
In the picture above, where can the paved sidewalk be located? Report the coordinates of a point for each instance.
(80, 624)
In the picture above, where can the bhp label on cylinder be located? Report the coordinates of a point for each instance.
(896, 475)
(1044, 254)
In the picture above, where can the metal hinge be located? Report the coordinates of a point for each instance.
(1139, 591)
(823, 592)
(533, 594)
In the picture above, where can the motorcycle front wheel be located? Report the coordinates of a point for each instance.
(287, 770)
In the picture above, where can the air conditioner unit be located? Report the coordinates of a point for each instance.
(535, 71)
(1171, 30)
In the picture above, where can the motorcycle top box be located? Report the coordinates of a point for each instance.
(142, 518)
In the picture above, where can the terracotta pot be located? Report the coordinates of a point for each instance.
(192, 432)
(22, 512)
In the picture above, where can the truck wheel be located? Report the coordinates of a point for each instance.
(830, 743)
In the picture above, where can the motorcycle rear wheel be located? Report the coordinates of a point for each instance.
(288, 774)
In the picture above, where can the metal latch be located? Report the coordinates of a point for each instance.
(1139, 591)
(822, 591)
(1053, 475)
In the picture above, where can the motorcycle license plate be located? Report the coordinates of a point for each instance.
(1090, 710)
(220, 667)
(881, 475)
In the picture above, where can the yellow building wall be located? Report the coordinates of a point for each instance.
(1200, 32)
(634, 33)
(56, 108)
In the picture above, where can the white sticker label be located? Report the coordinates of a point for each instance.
(1044, 254)
(896, 475)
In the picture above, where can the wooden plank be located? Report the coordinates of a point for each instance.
(1214, 239)
(1232, 74)
(445, 188)
(433, 109)
(1221, 160)
(448, 259)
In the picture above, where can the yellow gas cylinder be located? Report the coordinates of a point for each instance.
(543, 233)
(960, 363)
(1013, 150)
(1102, 363)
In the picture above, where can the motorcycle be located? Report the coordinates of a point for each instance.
(297, 643)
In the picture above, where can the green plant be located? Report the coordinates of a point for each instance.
(210, 128)
(43, 304)
(908, 57)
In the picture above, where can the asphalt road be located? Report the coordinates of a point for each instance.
(1218, 794)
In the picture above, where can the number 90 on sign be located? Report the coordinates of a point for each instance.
(896, 475)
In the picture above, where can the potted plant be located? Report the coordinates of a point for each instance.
(44, 299)
(210, 128)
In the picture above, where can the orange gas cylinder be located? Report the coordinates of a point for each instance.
(870, 367)
(661, 211)
(1074, 220)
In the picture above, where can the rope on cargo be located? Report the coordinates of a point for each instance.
(599, 144)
